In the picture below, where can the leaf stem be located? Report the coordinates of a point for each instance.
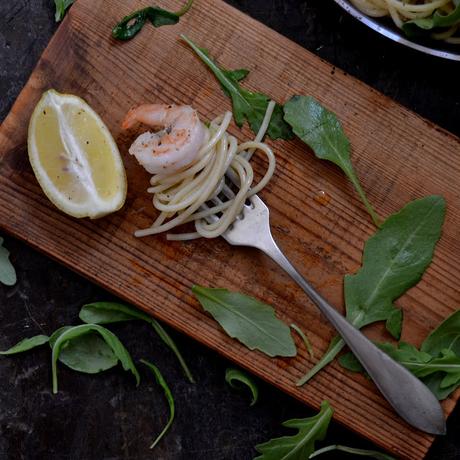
(172, 346)
(185, 8)
(305, 340)
(172, 411)
(221, 77)
(374, 216)
(336, 345)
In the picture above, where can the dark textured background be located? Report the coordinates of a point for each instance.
(106, 416)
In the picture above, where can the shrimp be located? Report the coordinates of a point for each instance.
(175, 146)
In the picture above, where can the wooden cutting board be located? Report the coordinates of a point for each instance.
(398, 155)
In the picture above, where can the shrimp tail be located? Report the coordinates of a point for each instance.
(154, 115)
(130, 119)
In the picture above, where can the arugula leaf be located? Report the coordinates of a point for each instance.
(235, 75)
(452, 379)
(246, 104)
(447, 362)
(26, 344)
(88, 353)
(322, 131)
(404, 353)
(252, 322)
(433, 382)
(351, 450)
(350, 362)
(236, 375)
(394, 260)
(132, 24)
(113, 312)
(7, 271)
(61, 8)
(301, 445)
(111, 339)
(169, 397)
(394, 323)
(445, 337)
(441, 373)
(417, 27)
(441, 341)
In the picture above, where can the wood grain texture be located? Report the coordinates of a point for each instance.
(398, 155)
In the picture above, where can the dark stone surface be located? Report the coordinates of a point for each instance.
(106, 416)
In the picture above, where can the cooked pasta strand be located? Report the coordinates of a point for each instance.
(402, 11)
(181, 196)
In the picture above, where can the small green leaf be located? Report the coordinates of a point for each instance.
(350, 362)
(322, 131)
(301, 445)
(405, 353)
(448, 362)
(26, 344)
(235, 75)
(111, 339)
(159, 17)
(113, 312)
(246, 104)
(394, 323)
(252, 322)
(235, 375)
(451, 379)
(61, 8)
(445, 337)
(132, 24)
(110, 312)
(434, 381)
(169, 397)
(7, 271)
(351, 450)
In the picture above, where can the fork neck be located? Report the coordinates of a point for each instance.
(271, 249)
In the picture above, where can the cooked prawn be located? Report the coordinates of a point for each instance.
(172, 148)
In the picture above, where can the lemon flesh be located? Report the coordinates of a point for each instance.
(74, 157)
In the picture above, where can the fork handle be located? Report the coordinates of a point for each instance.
(410, 398)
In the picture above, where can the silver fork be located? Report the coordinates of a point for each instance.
(410, 398)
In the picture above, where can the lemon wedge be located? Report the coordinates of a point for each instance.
(74, 157)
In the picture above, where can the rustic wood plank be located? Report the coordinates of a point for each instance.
(398, 155)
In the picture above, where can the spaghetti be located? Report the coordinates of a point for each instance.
(182, 196)
(402, 11)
